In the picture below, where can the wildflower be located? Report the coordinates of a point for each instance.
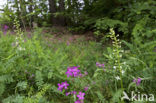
(5, 27)
(114, 67)
(68, 43)
(69, 72)
(122, 72)
(81, 96)
(78, 101)
(73, 71)
(65, 84)
(97, 63)
(86, 88)
(138, 81)
(20, 48)
(62, 86)
(68, 93)
(100, 65)
(124, 63)
(117, 78)
(73, 92)
(81, 75)
(86, 73)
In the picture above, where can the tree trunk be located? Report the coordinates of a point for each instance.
(62, 9)
(52, 7)
(30, 7)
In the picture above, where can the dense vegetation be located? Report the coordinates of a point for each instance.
(78, 51)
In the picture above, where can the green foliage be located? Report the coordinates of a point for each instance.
(7, 16)
(31, 68)
(24, 72)
(103, 25)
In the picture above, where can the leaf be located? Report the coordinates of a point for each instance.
(50, 74)
(22, 85)
(2, 88)
(39, 79)
(131, 85)
(117, 95)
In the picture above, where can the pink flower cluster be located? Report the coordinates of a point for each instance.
(62, 86)
(73, 71)
(80, 96)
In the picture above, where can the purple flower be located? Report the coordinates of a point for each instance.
(69, 72)
(6, 27)
(134, 80)
(100, 65)
(68, 43)
(73, 92)
(63, 85)
(86, 73)
(68, 93)
(138, 81)
(78, 101)
(81, 96)
(81, 75)
(73, 71)
(86, 88)
(97, 64)
(60, 87)
(4, 32)
(32, 75)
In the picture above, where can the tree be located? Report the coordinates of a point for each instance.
(61, 9)
(52, 8)
(30, 7)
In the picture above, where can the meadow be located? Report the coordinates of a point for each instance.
(38, 67)
(77, 51)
